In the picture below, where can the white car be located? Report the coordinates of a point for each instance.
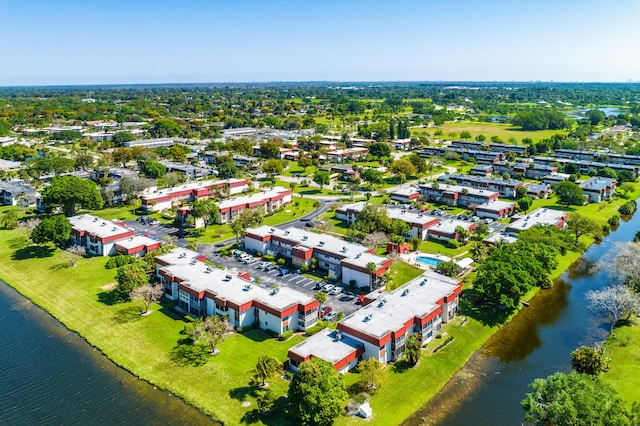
(488, 221)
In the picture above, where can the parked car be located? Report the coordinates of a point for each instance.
(284, 272)
(335, 291)
(327, 287)
(325, 311)
(331, 316)
(488, 221)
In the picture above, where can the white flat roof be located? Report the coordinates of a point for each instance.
(136, 241)
(227, 285)
(404, 214)
(541, 216)
(449, 226)
(328, 345)
(406, 191)
(363, 259)
(253, 198)
(179, 255)
(495, 205)
(328, 243)
(500, 236)
(460, 188)
(190, 187)
(391, 311)
(94, 225)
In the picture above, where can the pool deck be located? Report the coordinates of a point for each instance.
(412, 259)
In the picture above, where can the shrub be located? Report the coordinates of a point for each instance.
(444, 343)
(119, 260)
(628, 208)
(453, 243)
(268, 258)
(614, 220)
(286, 335)
(243, 329)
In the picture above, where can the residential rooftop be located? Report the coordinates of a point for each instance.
(541, 216)
(94, 225)
(329, 345)
(392, 311)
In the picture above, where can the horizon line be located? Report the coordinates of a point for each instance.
(292, 82)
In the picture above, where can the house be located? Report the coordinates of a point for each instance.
(204, 290)
(419, 222)
(163, 199)
(341, 259)
(346, 171)
(191, 172)
(541, 216)
(495, 209)
(480, 156)
(238, 132)
(18, 193)
(598, 188)
(506, 188)
(230, 208)
(401, 144)
(99, 136)
(406, 195)
(538, 190)
(382, 327)
(98, 236)
(449, 229)
(456, 194)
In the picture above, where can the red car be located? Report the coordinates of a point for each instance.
(326, 310)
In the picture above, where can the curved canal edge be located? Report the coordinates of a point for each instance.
(536, 342)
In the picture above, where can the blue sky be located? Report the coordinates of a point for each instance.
(141, 41)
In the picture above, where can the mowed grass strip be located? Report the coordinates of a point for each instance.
(151, 347)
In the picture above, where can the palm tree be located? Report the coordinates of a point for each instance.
(478, 250)
(266, 368)
(371, 269)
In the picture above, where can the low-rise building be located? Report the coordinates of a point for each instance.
(99, 236)
(598, 188)
(151, 143)
(406, 194)
(191, 172)
(18, 193)
(383, 326)
(9, 166)
(401, 144)
(340, 155)
(230, 208)
(482, 170)
(204, 290)
(506, 188)
(341, 259)
(137, 245)
(554, 178)
(452, 195)
(496, 209)
(541, 216)
(419, 222)
(450, 229)
(538, 190)
(163, 199)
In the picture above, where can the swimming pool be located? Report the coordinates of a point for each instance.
(429, 261)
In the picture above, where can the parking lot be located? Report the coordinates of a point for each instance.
(340, 303)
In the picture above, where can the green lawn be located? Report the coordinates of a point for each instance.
(298, 208)
(622, 348)
(152, 347)
(402, 273)
(307, 190)
(503, 131)
(440, 247)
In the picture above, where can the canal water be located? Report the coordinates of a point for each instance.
(536, 343)
(49, 375)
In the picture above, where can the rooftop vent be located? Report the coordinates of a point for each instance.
(193, 261)
(209, 269)
(424, 281)
(321, 243)
(182, 255)
(272, 230)
(338, 336)
(405, 292)
(247, 287)
(305, 237)
(275, 290)
(368, 318)
(228, 277)
(344, 249)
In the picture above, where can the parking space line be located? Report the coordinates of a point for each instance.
(291, 277)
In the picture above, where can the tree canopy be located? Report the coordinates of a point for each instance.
(569, 193)
(316, 394)
(53, 229)
(69, 193)
(576, 399)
